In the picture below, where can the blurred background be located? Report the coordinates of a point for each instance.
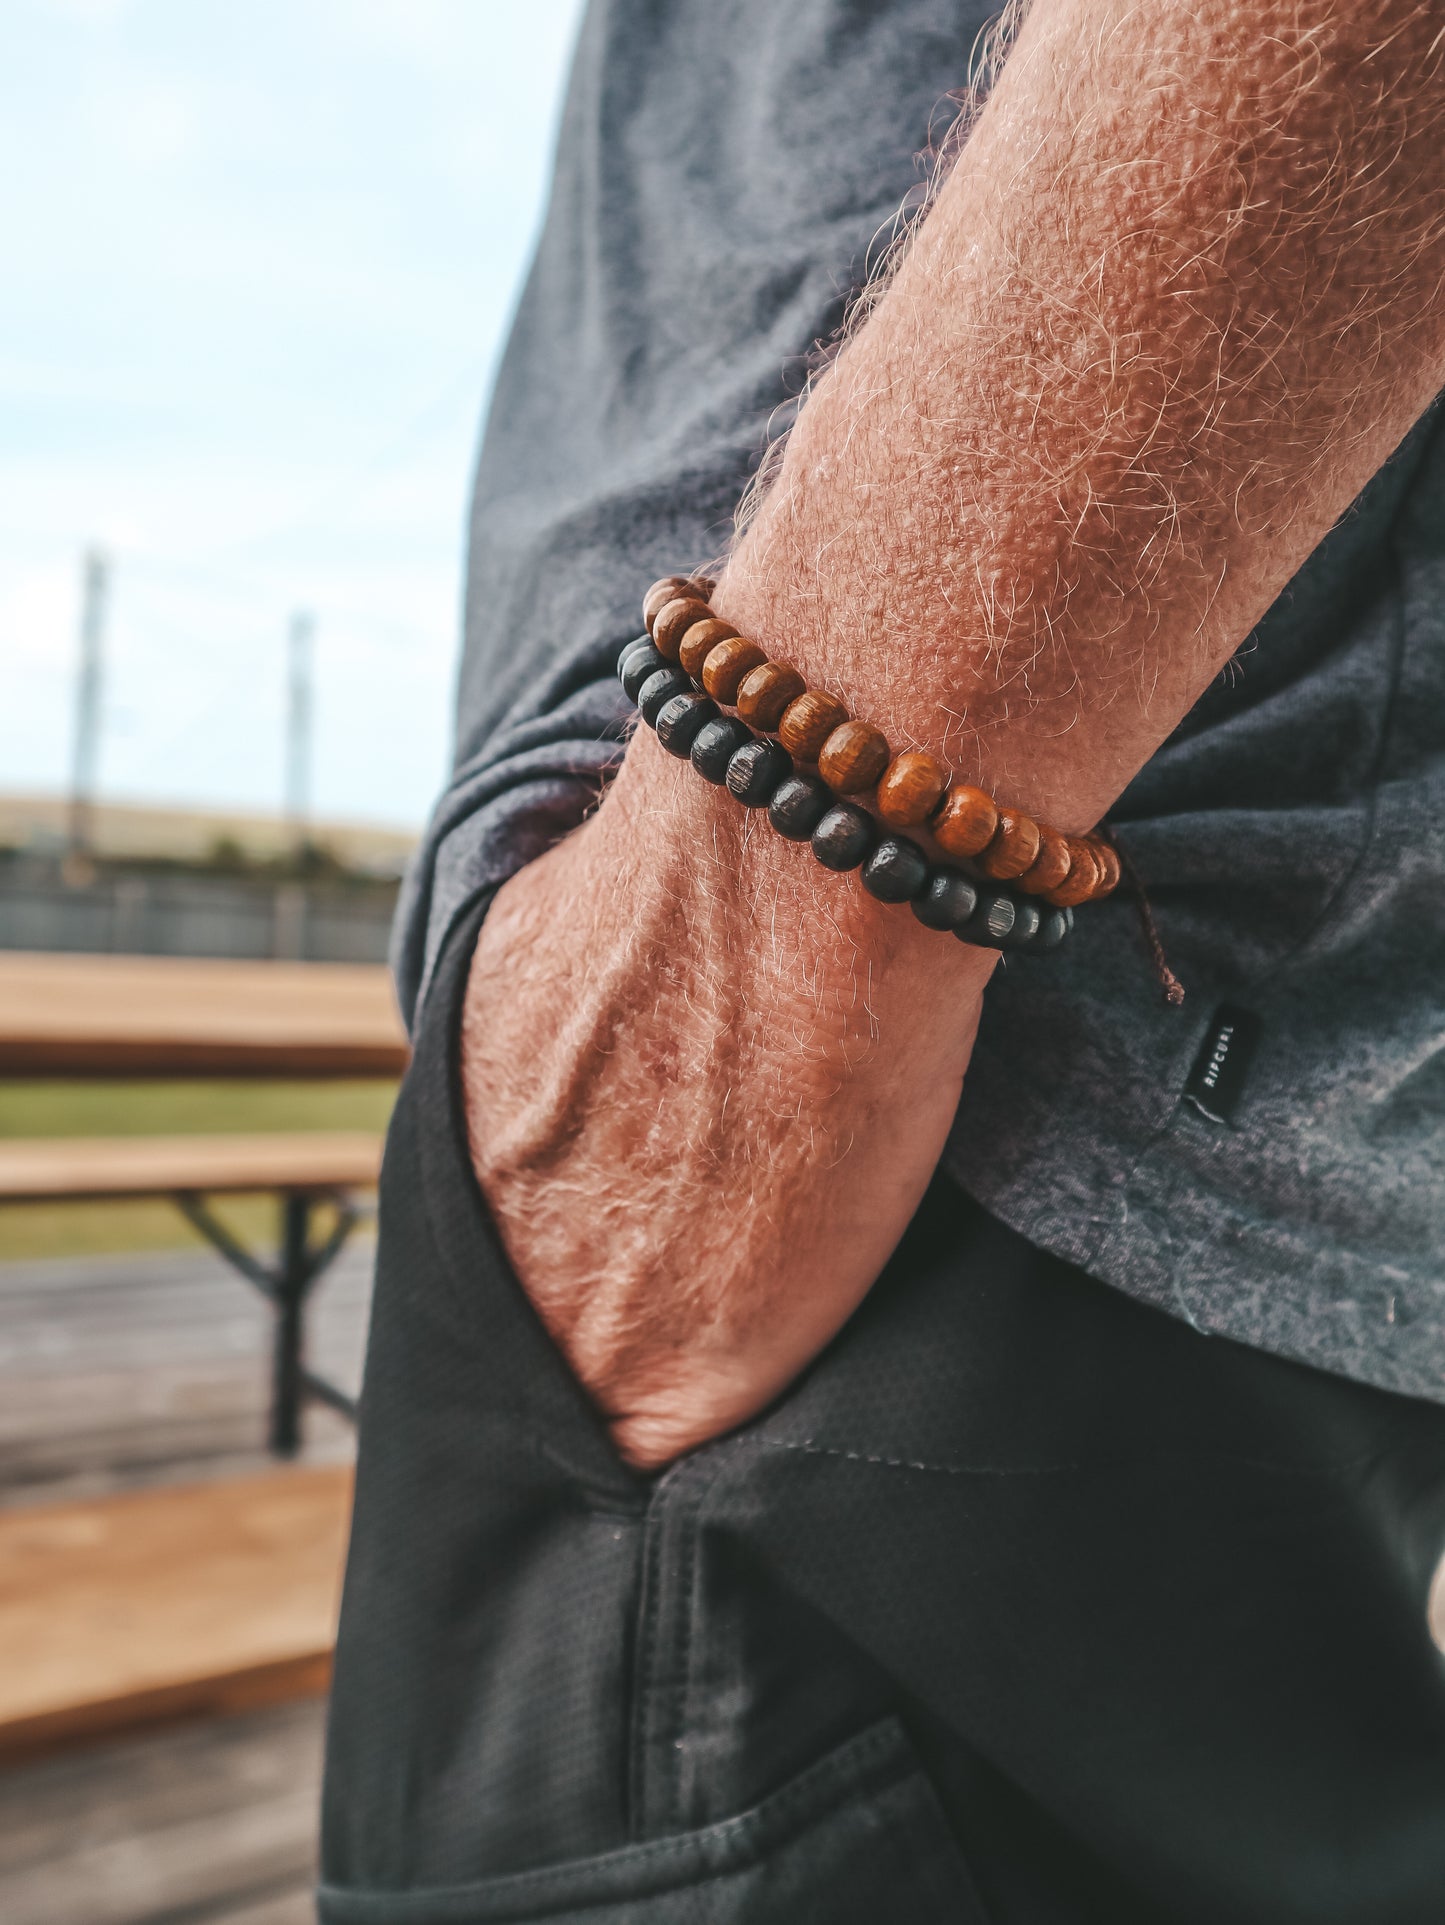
(259, 267)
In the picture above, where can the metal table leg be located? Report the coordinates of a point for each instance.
(288, 1283)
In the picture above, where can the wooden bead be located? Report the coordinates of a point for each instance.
(765, 692)
(1050, 866)
(853, 758)
(1027, 918)
(660, 687)
(756, 773)
(670, 589)
(844, 836)
(673, 623)
(680, 720)
(949, 898)
(798, 806)
(1015, 844)
(966, 822)
(629, 649)
(808, 722)
(674, 620)
(991, 922)
(1095, 856)
(1082, 879)
(692, 650)
(715, 745)
(896, 871)
(1112, 870)
(641, 663)
(659, 595)
(910, 789)
(726, 665)
(1054, 925)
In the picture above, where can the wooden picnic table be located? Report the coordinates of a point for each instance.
(215, 1598)
(97, 1016)
(80, 1015)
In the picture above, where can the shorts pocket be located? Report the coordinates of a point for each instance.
(857, 1839)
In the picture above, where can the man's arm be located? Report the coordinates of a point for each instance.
(1179, 298)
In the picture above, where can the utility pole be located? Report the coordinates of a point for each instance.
(289, 935)
(298, 725)
(95, 586)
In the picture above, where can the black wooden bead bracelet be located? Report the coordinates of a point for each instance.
(761, 775)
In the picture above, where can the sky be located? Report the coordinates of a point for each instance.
(259, 262)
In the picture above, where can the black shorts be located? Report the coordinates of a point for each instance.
(1026, 1603)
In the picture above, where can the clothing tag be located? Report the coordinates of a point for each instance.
(1216, 1082)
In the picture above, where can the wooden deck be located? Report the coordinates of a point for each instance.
(211, 1823)
(122, 1371)
(131, 1374)
(209, 1584)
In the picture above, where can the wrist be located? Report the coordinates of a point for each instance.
(810, 946)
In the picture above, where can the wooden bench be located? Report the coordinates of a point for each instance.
(203, 1598)
(172, 1016)
(81, 1015)
(305, 1169)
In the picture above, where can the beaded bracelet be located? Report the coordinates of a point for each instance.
(761, 774)
(911, 790)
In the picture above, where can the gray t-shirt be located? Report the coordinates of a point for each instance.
(724, 168)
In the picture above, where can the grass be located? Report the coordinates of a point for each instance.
(163, 1109)
(62, 1108)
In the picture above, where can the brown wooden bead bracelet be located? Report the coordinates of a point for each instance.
(911, 790)
(761, 774)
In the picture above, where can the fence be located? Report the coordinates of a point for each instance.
(174, 912)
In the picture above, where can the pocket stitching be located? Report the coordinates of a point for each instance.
(821, 1789)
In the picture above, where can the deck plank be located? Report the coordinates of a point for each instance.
(213, 1823)
(203, 1598)
(133, 1370)
(119, 1371)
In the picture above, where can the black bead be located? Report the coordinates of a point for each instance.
(844, 836)
(660, 687)
(799, 805)
(642, 660)
(756, 771)
(991, 920)
(638, 641)
(1027, 918)
(679, 720)
(948, 899)
(896, 871)
(1054, 925)
(715, 745)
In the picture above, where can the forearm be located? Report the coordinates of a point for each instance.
(1178, 300)
(1150, 342)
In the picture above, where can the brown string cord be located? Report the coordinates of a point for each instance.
(1149, 929)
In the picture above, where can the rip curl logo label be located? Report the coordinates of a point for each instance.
(1216, 1082)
